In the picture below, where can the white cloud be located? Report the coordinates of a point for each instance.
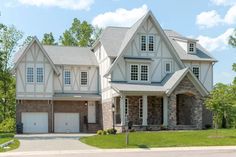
(208, 19)
(223, 2)
(65, 4)
(120, 17)
(215, 43)
(230, 17)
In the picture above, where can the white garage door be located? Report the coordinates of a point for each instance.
(66, 122)
(35, 122)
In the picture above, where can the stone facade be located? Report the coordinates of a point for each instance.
(107, 119)
(185, 87)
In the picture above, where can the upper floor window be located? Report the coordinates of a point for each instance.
(67, 77)
(84, 78)
(126, 106)
(134, 72)
(140, 108)
(191, 47)
(196, 71)
(147, 43)
(39, 72)
(144, 73)
(139, 72)
(30, 74)
(168, 67)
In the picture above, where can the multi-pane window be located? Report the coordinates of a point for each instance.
(168, 67)
(84, 78)
(150, 43)
(39, 72)
(67, 77)
(144, 73)
(30, 74)
(134, 72)
(140, 108)
(191, 47)
(126, 106)
(143, 43)
(196, 71)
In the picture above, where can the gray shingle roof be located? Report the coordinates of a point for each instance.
(67, 55)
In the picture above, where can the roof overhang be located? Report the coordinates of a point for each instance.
(76, 97)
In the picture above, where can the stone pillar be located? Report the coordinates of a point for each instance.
(172, 119)
(122, 110)
(145, 110)
(165, 110)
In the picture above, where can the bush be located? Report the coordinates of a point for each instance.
(8, 125)
(99, 132)
(111, 131)
(208, 126)
(104, 132)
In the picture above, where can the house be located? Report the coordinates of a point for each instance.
(144, 74)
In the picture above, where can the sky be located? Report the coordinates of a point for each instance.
(209, 21)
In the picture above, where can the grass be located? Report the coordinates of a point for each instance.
(223, 137)
(4, 137)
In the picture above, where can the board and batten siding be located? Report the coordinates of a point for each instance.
(34, 58)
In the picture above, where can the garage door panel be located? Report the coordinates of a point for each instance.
(66, 122)
(35, 122)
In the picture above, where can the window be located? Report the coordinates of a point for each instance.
(30, 74)
(140, 108)
(168, 67)
(134, 72)
(67, 77)
(144, 73)
(84, 78)
(126, 106)
(191, 47)
(143, 43)
(196, 71)
(39, 72)
(151, 43)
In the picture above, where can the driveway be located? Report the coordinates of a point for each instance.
(51, 142)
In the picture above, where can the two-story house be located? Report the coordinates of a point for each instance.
(150, 76)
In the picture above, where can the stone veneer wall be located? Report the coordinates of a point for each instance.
(107, 118)
(155, 110)
(185, 87)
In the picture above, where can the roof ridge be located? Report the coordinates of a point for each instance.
(66, 46)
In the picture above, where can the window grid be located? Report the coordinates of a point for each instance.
(134, 72)
(126, 106)
(30, 74)
(144, 73)
(39, 72)
(140, 108)
(150, 43)
(168, 67)
(84, 78)
(196, 71)
(143, 43)
(191, 47)
(67, 77)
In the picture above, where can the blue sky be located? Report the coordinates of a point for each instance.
(210, 21)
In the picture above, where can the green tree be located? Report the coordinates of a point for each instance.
(27, 40)
(48, 39)
(9, 37)
(79, 34)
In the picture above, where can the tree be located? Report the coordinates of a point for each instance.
(27, 41)
(95, 35)
(9, 37)
(79, 34)
(48, 39)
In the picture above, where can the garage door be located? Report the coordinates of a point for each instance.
(35, 122)
(66, 122)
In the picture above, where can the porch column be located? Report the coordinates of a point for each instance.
(145, 110)
(122, 110)
(165, 110)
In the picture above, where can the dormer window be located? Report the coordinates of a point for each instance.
(147, 43)
(191, 47)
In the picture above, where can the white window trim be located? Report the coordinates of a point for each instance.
(81, 78)
(194, 47)
(141, 43)
(37, 74)
(153, 42)
(197, 66)
(65, 70)
(139, 108)
(130, 73)
(26, 75)
(171, 68)
(139, 73)
(147, 43)
(127, 100)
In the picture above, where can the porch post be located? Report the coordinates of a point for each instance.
(165, 110)
(122, 110)
(145, 112)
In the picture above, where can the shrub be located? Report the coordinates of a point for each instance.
(8, 125)
(104, 132)
(99, 132)
(111, 131)
(208, 126)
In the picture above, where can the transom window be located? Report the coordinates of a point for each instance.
(140, 108)
(144, 73)
(147, 43)
(67, 77)
(139, 72)
(30, 74)
(191, 47)
(196, 71)
(134, 72)
(126, 106)
(168, 67)
(39, 72)
(84, 78)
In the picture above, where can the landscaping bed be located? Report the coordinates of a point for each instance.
(223, 137)
(5, 137)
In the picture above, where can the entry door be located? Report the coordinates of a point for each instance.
(34, 122)
(91, 112)
(66, 122)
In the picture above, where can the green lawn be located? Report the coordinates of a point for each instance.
(224, 137)
(4, 137)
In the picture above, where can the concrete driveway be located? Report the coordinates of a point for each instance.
(51, 142)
